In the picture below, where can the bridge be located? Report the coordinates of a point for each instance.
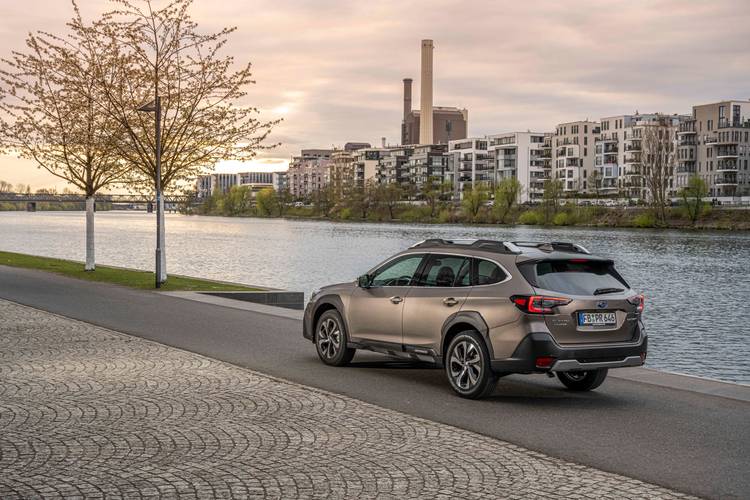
(31, 199)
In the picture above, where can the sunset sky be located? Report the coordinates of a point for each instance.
(333, 68)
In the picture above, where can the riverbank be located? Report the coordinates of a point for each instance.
(569, 215)
(119, 276)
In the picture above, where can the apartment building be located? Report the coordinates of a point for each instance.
(573, 154)
(366, 162)
(308, 172)
(392, 166)
(714, 144)
(426, 162)
(621, 150)
(522, 155)
(469, 164)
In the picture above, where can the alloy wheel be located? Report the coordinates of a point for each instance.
(465, 364)
(329, 337)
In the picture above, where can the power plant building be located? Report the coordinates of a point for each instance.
(443, 124)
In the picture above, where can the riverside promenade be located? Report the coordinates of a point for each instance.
(131, 393)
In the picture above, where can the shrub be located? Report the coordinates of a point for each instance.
(530, 217)
(445, 216)
(645, 219)
(562, 219)
(345, 213)
(415, 213)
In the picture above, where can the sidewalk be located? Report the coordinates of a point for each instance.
(90, 412)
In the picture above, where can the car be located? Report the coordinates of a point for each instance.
(483, 309)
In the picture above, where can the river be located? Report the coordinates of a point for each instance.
(697, 284)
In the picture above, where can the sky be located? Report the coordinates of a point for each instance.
(333, 69)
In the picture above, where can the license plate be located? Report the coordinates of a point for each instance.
(597, 319)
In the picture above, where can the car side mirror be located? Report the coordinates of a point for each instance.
(364, 281)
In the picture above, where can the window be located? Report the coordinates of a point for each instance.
(445, 271)
(398, 272)
(488, 272)
(572, 277)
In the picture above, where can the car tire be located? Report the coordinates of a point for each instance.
(331, 339)
(467, 366)
(583, 381)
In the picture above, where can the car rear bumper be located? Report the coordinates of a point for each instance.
(571, 358)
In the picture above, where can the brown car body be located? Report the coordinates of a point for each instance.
(419, 316)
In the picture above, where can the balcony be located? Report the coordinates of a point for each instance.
(685, 168)
(728, 179)
(633, 158)
(723, 166)
(725, 123)
(687, 141)
(632, 171)
(726, 152)
(711, 140)
(606, 140)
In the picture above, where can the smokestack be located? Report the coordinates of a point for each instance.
(407, 97)
(425, 114)
(382, 142)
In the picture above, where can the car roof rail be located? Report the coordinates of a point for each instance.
(487, 245)
(552, 246)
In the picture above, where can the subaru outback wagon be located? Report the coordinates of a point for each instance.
(482, 309)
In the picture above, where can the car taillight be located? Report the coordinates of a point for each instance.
(639, 301)
(538, 304)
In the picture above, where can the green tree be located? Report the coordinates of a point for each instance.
(474, 199)
(389, 196)
(432, 193)
(506, 196)
(267, 201)
(692, 197)
(553, 191)
(237, 201)
(284, 200)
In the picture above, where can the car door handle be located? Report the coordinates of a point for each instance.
(450, 301)
(396, 300)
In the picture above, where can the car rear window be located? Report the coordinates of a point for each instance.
(574, 276)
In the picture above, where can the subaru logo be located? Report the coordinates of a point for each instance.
(602, 304)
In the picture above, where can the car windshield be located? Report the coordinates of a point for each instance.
(574, 276)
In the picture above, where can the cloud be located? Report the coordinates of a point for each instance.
(333, 68)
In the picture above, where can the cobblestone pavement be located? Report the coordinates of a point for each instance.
(87, 412)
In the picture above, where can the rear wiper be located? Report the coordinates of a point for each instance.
(602, 291)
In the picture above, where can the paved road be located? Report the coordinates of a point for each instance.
(678, 439)
(89, 413)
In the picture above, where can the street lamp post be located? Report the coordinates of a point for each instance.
(155, 107)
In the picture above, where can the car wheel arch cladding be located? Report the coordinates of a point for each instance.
(464, 320)
(327, 303)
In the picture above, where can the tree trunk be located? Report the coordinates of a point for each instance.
(90, 261)
(163, 277)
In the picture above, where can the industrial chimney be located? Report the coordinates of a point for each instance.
(425, 114)
(407, 97)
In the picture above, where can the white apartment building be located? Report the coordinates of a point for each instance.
(522, 155)
(714, 144)
(469, 164)
(573, 147)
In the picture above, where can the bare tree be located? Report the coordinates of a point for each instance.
(49, 114)
(657, 160)
(159, 55)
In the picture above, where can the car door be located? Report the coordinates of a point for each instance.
(439, 292)
(375, 313)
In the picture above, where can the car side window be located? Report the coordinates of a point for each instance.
(488, 272)
(444, 271)
(399, 272)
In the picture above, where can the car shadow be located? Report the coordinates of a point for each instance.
(522, 390)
